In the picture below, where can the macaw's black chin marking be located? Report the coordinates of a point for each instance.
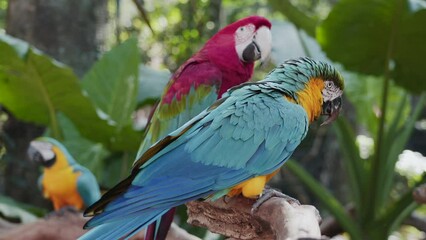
(331, 109)
(251, 53)
(48, 163)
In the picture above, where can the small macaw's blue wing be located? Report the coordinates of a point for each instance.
(249, 133)
(87, 186)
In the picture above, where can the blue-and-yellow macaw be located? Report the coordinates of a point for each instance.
(64, 181)
(232, 147)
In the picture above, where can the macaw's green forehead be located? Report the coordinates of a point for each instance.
(303, 69)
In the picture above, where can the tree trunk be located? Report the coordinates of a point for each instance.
(72, 32)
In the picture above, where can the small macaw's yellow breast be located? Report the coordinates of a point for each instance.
(253, 187)
(60, 183)
(311, 98)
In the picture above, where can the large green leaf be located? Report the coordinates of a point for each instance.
(34, 88)
(372, 36)
(112, 83)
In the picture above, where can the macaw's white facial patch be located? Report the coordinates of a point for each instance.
(330, 91)
(244, 34)
(44, 148)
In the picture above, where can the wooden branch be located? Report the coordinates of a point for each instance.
(64, 225)
(419, 194)
(68, 226)
(275, 219)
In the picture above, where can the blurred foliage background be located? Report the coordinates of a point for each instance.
(57, 56)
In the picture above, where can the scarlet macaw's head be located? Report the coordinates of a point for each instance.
(236, 47)
(250, 37)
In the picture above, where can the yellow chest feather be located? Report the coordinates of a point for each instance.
(60, 183)
(252, 188)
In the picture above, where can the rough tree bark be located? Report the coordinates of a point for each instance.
(69, 31)
(277, 219)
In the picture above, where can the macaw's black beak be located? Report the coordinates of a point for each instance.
(251, 53)
(332, 109)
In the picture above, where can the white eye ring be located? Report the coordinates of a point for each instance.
(329, 84)
(242, 29)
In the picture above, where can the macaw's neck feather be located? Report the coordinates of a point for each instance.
(223, 55)
(311, 98)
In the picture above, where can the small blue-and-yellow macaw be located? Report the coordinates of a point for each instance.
(64, 181)
(235, 146)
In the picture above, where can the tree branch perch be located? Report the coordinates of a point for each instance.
(275, 219)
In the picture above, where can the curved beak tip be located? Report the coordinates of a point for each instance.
(330, 118)
(332, 109)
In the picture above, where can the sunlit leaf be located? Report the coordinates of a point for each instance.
(371, 36)
(112, 83)
(34, 88)
(13, 210)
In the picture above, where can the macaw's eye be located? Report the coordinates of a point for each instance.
(241, 29)
(329, 84)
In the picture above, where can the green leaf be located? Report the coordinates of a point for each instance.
(369, 36)
(34, 88)
(326, 199)
(410, 50)
(112, 83)
(295, 15)
(354, 165)
(13, 210)
(396, 145)
(85, 152)
(290, 42)
(151, 83)
(358, 89)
